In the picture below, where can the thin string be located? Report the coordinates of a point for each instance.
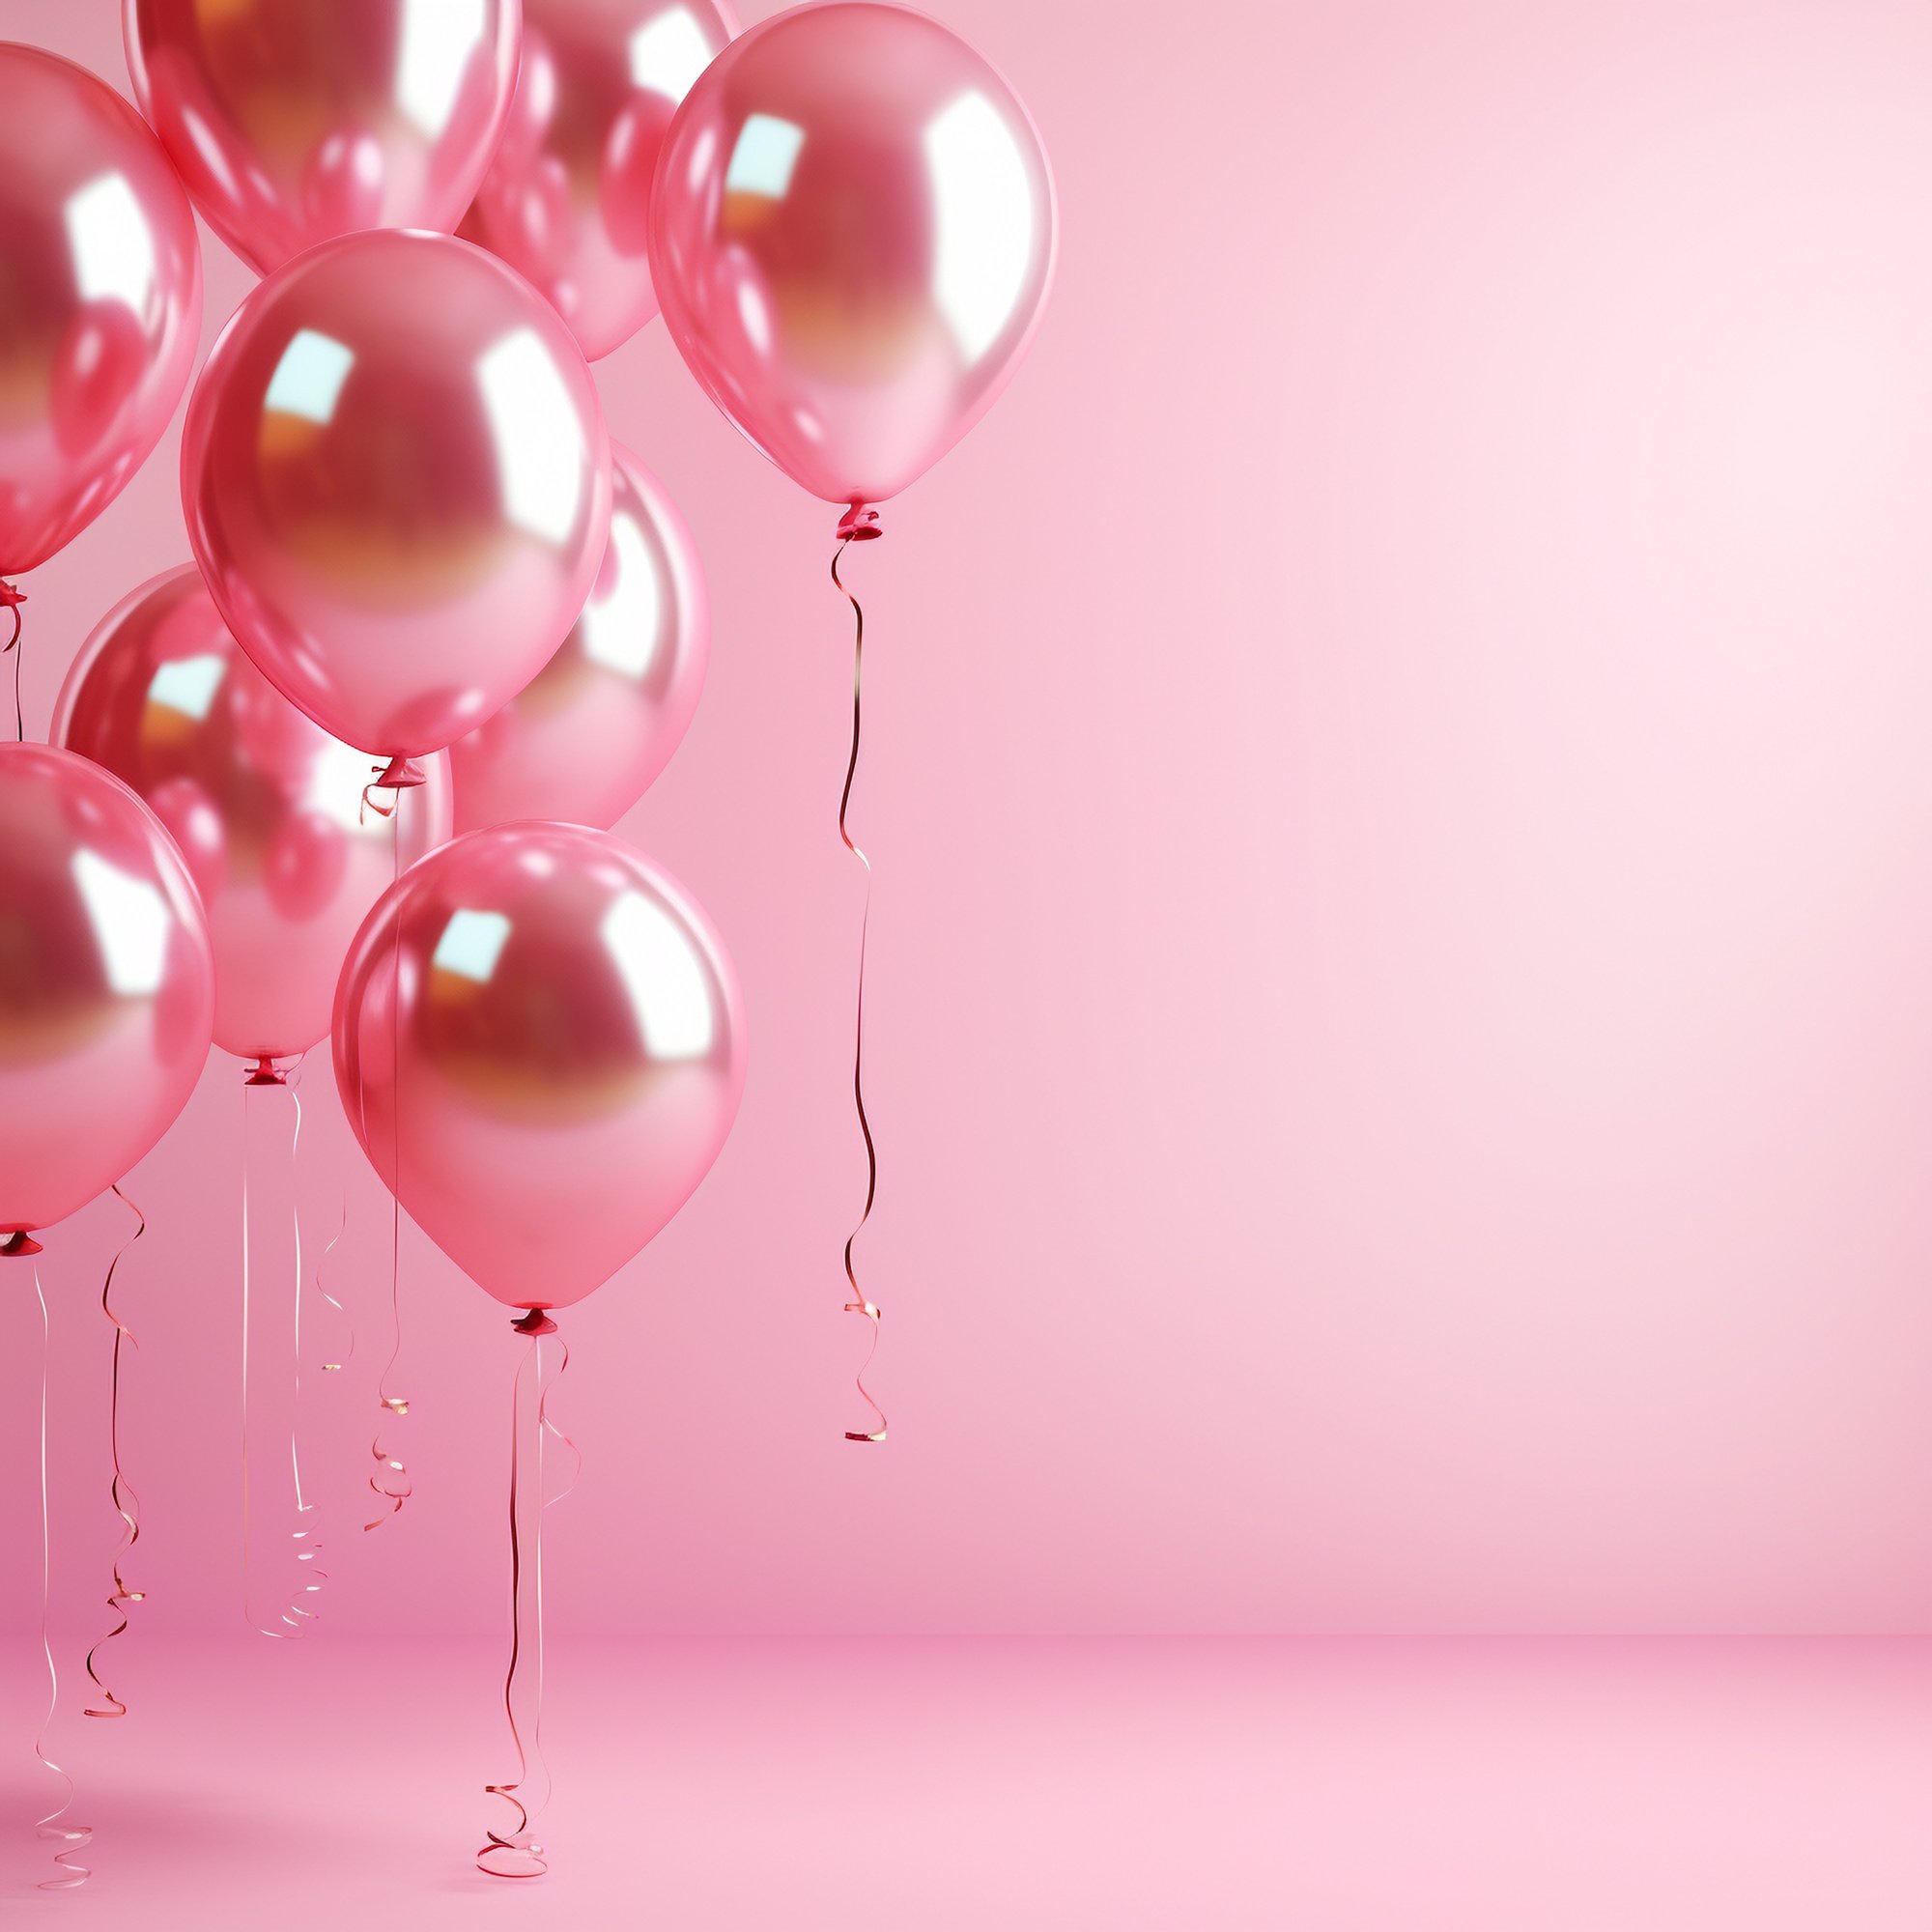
(859, 1303)
(72, 1839)
(345, 1320)
(10, 600)
(392, 1479)
(513, 1853)
(307, 1548)
(293, 1617)
(120, 1492)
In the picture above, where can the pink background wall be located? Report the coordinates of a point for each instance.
(1397, 773)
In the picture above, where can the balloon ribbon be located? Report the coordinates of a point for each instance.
(72, 1839)
(513, 1852)
(126, 1504)
(12, 597)
(292, 1619)
(391, 1478)
(858, 525)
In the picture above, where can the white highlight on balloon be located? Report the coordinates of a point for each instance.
(985, 220)
(622, 630)
(131, 922)
(308, 379)
(539, 443)
(670, 54)
(433, 57)
(188, 684)
(670, 989)
(113, 252)
(471, 944)
(764, 156)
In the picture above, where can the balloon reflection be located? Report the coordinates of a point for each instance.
(595, 726)
(852, 233)
(100, 301)
(539, 1038)
(296, 120)
(264, 804)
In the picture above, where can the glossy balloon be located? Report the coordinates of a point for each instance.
(565, 200)
(107, 984)
(852, 233)
(585, 737)
(397, 484)
(266, 807)
(294, 121)
(571, 1050)
(100, 299)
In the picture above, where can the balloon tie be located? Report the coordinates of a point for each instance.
(120, 1492)
(12, 597)
(72, 1839)
(857, 526)
(396, 777)
(513, 1852)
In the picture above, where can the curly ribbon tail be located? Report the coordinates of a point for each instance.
(126, 1504)
(72, 1839)
(12, 597)
(858, 525)
(513, 1852)
(390, 1480)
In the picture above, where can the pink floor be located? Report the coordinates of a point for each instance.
(914, 1785)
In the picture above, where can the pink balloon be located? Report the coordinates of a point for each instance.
(294, 121)
(565, 202)
(851, 235)
(584, 738)
(107, 984)
(100, 299)
(551, 1029)
(397, 484)
(264, 805)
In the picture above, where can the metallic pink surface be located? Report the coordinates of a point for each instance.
(100, 299)
(264, 804)
(584, 738)
(397, 484)
(852, 233)
(107, 984)
(294, 121)
(553, 1031)
(567, 197)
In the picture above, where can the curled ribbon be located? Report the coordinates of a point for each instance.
(126, 1504)
(72, 1839)
(858, 525)
(513, 1853)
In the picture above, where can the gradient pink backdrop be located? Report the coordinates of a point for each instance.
(1397, 773)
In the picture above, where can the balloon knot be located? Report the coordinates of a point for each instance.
(266, 1073)
(534, 1321)
(19, 1242)
(11, 594)
(398, 775)
(858, 525)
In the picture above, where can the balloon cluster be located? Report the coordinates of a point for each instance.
(422, 570)
(428, 595)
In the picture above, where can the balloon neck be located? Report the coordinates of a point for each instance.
(858, 525)
(534, 1321)
(19, 1242)
(11, 594)
(398, 775)
(266, 1073)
